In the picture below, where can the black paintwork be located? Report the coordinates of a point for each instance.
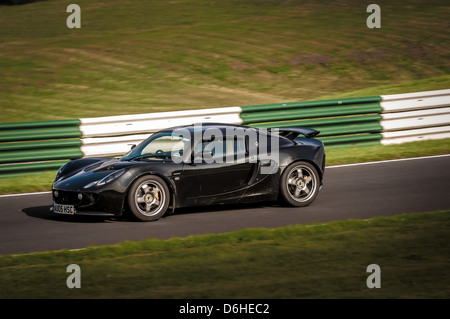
(190, 183)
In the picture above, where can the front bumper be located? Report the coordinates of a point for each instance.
(81, 212)
(106, 203)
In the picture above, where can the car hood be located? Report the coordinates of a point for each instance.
(78, 174)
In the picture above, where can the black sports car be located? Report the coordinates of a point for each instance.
(193, 165)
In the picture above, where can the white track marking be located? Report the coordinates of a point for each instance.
(388, 161)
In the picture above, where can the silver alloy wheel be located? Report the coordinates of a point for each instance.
(150, 197)
(301, 183)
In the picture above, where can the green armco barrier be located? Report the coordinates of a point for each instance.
(354, 121)
(370, 127)
(350, 144)
(39, 134)
(39, 145)
(304, 113)
(295, 105)
(37, 124)
(334, 130)
(39, 130)
(12, 170)
(40, 155)
(322, 121)
(351, 138)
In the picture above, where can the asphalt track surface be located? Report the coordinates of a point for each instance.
(359, 191)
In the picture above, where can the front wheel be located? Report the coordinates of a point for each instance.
(148, 198)
(300, 184)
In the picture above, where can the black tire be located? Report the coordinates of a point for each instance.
(148, 198)
(299, 184)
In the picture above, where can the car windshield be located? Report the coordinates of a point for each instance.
(162, 146)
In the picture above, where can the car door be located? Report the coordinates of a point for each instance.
(220, 169)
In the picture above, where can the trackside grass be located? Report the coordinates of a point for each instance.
(302, 261)
(349, 155)
(143, 56)
(346, 155)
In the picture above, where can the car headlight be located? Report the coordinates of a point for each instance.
(111, 177)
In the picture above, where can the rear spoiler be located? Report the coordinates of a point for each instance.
(293, 132)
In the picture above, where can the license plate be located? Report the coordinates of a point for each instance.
(64, 209)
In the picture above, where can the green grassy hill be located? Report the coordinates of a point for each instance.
(147, 56)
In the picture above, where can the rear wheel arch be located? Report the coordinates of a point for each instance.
(318, 169)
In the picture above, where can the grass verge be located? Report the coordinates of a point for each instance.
(335, 156)
(302, 261)
(349, 155)
(143, 56)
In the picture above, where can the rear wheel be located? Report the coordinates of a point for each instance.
(299, 184)
(148, 198)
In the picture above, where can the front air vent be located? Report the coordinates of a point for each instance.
(92, 167)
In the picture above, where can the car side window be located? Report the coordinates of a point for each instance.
(165, 144)
(221, 150)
